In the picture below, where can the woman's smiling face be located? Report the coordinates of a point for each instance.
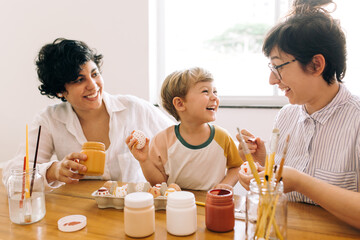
(85, 93)
(295, 82)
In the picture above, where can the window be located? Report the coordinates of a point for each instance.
(225, 37)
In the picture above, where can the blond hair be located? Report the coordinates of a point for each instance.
(178, 83)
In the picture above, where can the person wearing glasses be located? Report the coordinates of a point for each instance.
(307, 53)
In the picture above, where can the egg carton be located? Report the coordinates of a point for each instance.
(111, 201)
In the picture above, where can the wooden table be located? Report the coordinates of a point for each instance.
(304, 221)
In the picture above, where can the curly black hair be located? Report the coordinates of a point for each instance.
(60, 62)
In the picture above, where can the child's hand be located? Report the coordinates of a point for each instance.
(223, 186)
(140, 154)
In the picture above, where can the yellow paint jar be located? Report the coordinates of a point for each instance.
(95, 163)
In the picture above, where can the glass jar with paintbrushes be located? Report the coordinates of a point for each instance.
(26, 195)
(266, 211)
(26, 207)
(266, 204)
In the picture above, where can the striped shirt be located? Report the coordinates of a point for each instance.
(325, 144)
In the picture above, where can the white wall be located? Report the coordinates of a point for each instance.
(116, 28)
(257, 121)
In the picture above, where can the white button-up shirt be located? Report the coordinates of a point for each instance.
(61, 134)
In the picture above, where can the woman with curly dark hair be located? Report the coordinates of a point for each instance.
(70, 70)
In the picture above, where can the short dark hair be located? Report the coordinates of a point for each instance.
(60, 62)
(309, 31)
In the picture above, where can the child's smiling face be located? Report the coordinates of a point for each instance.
(202, 102)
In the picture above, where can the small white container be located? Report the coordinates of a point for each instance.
(72, 223)
(181, 213)
(139, 214)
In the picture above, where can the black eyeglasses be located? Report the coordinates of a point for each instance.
(274, 69)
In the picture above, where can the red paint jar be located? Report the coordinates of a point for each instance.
(219, 210)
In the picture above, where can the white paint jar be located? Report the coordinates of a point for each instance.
(139, 214)
(181, 213)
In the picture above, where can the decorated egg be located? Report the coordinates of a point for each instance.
(121, 191)
(140, 137)
(111, 186)
(154, 191)
(245, 168)
(139, 187)
(103, 192)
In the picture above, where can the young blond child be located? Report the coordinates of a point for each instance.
(193, 154)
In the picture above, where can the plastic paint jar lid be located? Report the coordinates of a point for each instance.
(182, 199)
(139, 200)
(72, 223)
(94, 145)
